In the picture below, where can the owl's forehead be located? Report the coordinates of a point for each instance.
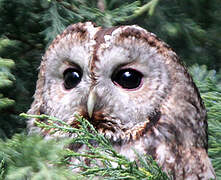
(84, 44)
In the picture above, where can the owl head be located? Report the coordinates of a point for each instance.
(131, 86)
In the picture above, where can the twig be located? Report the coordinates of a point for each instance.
(150, 6)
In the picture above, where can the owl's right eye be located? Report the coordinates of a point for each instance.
(72, 78)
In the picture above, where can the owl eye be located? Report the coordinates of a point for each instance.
(127, 78)
(71, 78)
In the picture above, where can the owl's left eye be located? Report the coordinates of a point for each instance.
(127, 78)
(72, 78)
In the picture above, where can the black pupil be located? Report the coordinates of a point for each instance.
(128, 78)
(72, 77)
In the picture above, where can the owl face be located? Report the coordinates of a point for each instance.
(122, 79)
(132, 87)
(113, 77)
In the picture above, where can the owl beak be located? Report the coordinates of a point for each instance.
(91, 103)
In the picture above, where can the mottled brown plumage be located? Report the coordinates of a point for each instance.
(133, 88)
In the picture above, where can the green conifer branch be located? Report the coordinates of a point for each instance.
(148, 7)
(102, 156)
(6, 80)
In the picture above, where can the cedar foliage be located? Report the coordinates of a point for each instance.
(28, 26)
(191, 28)
(6, 81)
(105, 162)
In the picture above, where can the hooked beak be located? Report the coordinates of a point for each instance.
(91, 103)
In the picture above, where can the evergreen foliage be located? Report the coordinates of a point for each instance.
(28, 26)
(32, 157)
(6, 81)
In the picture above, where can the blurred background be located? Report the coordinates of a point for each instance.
(191, 28)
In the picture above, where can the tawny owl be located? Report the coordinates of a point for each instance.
(133, 88)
